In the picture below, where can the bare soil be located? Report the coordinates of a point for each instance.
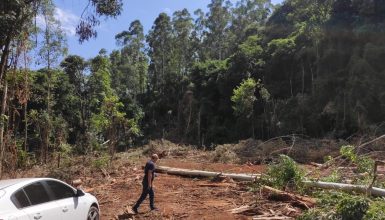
(118, 186)
(176, 197)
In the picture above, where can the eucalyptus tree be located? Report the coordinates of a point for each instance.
(217, 24)
(131, 63)
(52, 49)
(248, 18)
(77, 107)
(198, 35)
(183, 27)
(16, 20)
(109, 123)
(129, 71)
(160, 42)
(90, 16)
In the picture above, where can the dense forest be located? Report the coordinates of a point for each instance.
(250, 69)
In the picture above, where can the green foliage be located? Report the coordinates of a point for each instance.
(342, 206)
(101, 162)
(352, 208)
(364, 163)
(24, 158)
(244, 98)
(281, 47)
(334, 177)
(285, 173)
(65, 149)
(376, 210)
(53, 45)
(349, 152)
(321, 63)
(109, 111)
(316, 214)
(253, 50)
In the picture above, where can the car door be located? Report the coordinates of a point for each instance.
(42, 207)
(71, 206)
(21, 201)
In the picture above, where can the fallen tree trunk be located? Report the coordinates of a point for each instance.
(374, 191)
(304, 202)
(200, 173)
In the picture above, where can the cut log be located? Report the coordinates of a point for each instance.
(302, 201)
(315, 164)
(272, 218)
(76, 183)
(246, 210)
(88, 190)
(217, 184)
(241, 209)
(200, 173)
(374, 191)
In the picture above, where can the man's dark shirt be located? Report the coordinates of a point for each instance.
(150, 166)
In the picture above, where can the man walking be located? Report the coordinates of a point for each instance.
(148, 179)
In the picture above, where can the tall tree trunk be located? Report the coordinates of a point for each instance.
(189, 119)
(252, 121)
(47, 133)
(303, 80)
(4, 59)
(26, 92)
(199, 127)
(2, 125)
(25, 128)
(312, 80)
(48, 128)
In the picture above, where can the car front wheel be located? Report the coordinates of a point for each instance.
(93, 213)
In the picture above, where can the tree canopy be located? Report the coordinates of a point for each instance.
(250, 69)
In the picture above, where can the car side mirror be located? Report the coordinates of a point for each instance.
(79, 193)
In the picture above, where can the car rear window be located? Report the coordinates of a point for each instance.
(37, 193)
(60, 190)
(19, 199)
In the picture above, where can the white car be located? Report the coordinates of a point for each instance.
(45, 199)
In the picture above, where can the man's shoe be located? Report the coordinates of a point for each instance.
(154, 209)
(135, 210)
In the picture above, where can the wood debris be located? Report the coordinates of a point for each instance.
(296, 200)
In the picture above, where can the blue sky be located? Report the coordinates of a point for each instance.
(68, 12)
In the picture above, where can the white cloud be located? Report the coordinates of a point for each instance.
(68, 20)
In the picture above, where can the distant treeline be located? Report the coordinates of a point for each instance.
(253, 69)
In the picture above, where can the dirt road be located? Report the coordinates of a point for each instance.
(176, 197)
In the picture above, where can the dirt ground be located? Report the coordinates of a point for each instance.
(176, 197)
(117, 187)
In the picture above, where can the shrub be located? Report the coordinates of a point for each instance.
(376, 211)
(101, 162)
(335, 176)
(225, 154)
(352, 208)
(285, 173)
(317, 214)
(63, 173)
(364, 163)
